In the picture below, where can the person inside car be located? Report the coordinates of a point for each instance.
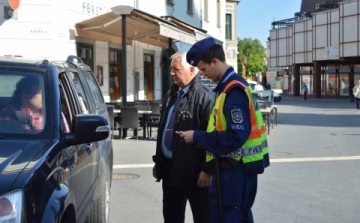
(26, 105)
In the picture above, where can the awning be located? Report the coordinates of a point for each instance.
(199, 33)
(140, 26)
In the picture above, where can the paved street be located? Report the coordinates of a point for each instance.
(314, 174)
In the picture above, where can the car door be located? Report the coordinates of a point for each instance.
(81, 161)
(88, 107)
(98, 105)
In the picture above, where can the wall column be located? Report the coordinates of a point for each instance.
(317, 79)
(296, 84)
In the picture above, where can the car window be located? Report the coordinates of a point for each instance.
(94, 88)
(262, 95)
(22, 102)
(84, 104)
(66, 115)
(8, 84)
(69, 101)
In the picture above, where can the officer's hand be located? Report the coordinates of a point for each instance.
(154, 171)
(204, 180)
(188, 136)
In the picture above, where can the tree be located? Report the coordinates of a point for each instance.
(253, 53)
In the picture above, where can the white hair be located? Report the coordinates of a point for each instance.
(184, 63)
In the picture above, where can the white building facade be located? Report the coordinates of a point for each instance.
(231, 41)
(321, 49)
(54, 29)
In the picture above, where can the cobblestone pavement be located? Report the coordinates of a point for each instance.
(314, 174)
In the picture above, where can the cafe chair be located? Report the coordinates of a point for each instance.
(154, 117)
(110, 109)
(130, 119)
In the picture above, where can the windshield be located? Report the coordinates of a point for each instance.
(22, 102)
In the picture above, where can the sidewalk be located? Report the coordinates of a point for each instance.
(314, 175)
(310, 178)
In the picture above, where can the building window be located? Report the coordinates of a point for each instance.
(190, 6)
(218, 14)
(206, 10)
(170, 2)
(149, 77)
(115, 74)
(86, 53)
(228, 27)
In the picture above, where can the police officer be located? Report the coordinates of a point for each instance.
(235, 135)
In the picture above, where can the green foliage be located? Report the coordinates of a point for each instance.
(255, 55)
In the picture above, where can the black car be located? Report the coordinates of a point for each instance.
(56, 153)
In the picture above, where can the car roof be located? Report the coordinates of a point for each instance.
(28, 63)
(36, 62)
(17, 59)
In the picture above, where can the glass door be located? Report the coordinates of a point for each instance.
(115, 74)
(344, 85)
(307, 79)
(149, 76)
(331, 84)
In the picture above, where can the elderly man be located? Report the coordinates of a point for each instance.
(182, 166)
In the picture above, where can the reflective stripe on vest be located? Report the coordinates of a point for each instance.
(255, 149)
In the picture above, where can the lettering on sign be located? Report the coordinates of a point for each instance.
(91, 9)
(38, 31)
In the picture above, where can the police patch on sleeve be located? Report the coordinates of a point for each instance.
(236, 115)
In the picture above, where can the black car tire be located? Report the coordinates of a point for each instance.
(99, 212)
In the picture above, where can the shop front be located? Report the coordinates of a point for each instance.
(135, 67)
(138, 73)
(336, 79)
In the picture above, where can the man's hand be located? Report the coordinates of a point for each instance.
(154, 171)
(188, 136)
(204, 180)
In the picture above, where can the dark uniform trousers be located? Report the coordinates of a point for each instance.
(175, 199)
(238, 193)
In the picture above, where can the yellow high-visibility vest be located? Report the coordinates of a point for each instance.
(254, 153)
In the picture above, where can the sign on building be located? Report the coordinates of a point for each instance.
(332, 52)
(230, 53)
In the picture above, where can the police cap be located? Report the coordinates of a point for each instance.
(197, 51)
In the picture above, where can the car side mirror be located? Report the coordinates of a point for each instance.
(86, 129)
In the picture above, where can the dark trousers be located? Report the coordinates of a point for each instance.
(352, 98)
(174, 203)
(238, 195)
(357, 103)
(305, 96)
